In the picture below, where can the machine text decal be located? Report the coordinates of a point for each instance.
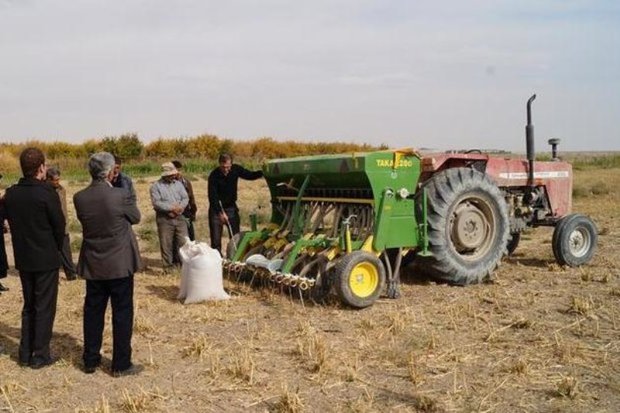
(388, 163)
(537, 175)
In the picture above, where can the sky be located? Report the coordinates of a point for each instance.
(453, 74)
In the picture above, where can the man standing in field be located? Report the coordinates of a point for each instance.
(120, 180)
(109, 258)
(190, 211)
(37, 230)
(53, 177)
(169, 199)
(4, 264)
(223, 208)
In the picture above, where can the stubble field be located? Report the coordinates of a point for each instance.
(538, 338)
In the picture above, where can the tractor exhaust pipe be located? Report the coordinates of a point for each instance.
(529, 141)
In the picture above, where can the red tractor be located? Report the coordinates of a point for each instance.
(473, 198)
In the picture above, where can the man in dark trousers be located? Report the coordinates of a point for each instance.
(109, 257)
(53, 178)
(223, 208)
(4, 265)
(37, 230)
(190, 210)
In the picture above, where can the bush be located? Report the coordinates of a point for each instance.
(600, 188)
(127, 146)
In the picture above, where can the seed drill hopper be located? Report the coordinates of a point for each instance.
(345, 222)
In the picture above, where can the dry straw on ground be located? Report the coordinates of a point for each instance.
(539, 338)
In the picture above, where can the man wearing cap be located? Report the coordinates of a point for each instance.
(169, 199)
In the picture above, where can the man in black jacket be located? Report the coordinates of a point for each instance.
(223, 208)
(37, 230)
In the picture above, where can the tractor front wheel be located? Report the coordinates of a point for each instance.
(574, 240)
(360, 278)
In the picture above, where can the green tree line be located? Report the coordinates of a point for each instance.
(199, 153)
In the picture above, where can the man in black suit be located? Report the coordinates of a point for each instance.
(37, 230)
(109, 257)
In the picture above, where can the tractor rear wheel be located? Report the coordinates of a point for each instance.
(467, 226)
(360, 278)
(574, 240)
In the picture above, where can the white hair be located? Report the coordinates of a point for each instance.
(100, 164)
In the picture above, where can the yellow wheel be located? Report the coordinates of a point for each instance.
(360, 279)
(364, 279)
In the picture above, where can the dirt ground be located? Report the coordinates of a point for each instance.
(538, 338)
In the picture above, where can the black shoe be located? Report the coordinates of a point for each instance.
(131, 371)
(71, 277)
(90, 369)
(3, 288)
(39, 364)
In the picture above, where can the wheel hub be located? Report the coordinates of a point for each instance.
(579, 242)
(470, 227)
(364, 279)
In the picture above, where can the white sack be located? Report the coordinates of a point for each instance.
(201, 274)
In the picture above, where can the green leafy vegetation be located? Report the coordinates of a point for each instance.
(199, 154)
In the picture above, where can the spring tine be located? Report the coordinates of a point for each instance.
(254, 273)
(301, 297)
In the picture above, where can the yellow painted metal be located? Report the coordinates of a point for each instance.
(332, 253)
(367, 245)
(279, 244)
(364, 279)
(347, 240)
(338, 200)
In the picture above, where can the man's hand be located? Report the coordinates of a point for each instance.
(223, 217)
(175, 211)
